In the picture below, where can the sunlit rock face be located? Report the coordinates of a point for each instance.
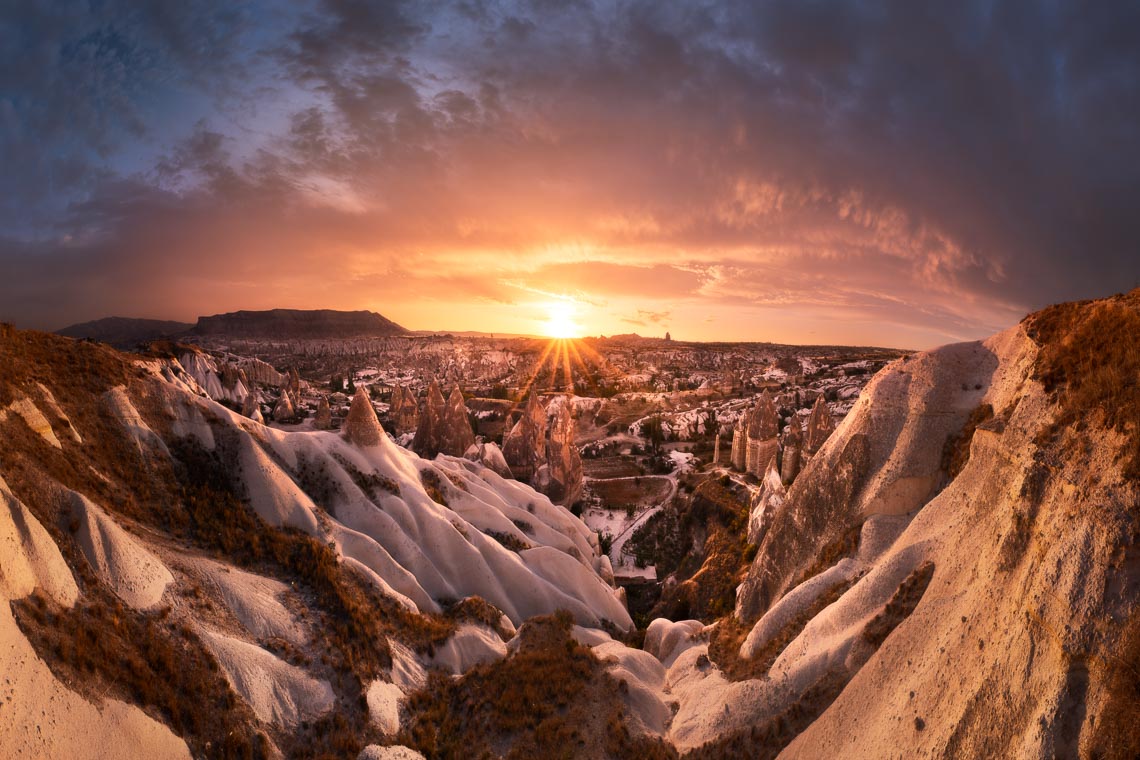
(792, 449)
(294, 386)
(540, 450)
(561, 479)
(403, 411)
(754, 438)
(444, 427)
(323, 418)
(820, 426)
(251, 407)
(525, 446)
(457, 433)
(739, 443)
(283, 410)
(361, 426)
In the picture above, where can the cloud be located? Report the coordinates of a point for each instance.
(933, 170)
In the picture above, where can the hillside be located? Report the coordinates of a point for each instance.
(953, 574)
(124, 332)
(202, 578)
(987, 604)
(283, 324)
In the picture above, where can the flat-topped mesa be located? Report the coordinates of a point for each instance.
(525, 445)
(295, 324)
(820, 426)
(323, 418)
(361, 427)
(283, 410)
(403, 412)
(444, 427)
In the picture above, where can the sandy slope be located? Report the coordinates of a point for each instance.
(135, 574)
(39, 716)
(278, 692)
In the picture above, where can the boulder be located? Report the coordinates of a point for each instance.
(490, 456)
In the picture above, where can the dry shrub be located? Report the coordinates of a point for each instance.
(902, 604)
(730, 633)
(956, 451)
(550, 699)
(508, 540)
(433, 486)
(1089, 360)
(143, 658)
(841, 548)
(766, 740)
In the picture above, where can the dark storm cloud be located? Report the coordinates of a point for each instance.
(939, 165)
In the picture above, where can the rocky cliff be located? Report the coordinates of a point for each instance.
(953, 572)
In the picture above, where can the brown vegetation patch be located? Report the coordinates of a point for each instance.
(476, 609)
(57, 362)
(433, 486)
(1089, 360)
(766, 740)
(956, 451)
(640, 492)
(611, 467)
(508, 540)
(550, 699)
(901, 605)
(372, 483)
(730, 633)
(841, 548)
(702, 541)
(101, 646)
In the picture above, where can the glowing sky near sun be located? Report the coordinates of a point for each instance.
(737, 170)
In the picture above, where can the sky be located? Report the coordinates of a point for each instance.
(888, 173)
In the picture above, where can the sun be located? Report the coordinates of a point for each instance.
(560, 320)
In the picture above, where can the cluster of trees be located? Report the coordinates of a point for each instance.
(339, 385)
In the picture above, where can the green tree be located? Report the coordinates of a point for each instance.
(653, 430)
